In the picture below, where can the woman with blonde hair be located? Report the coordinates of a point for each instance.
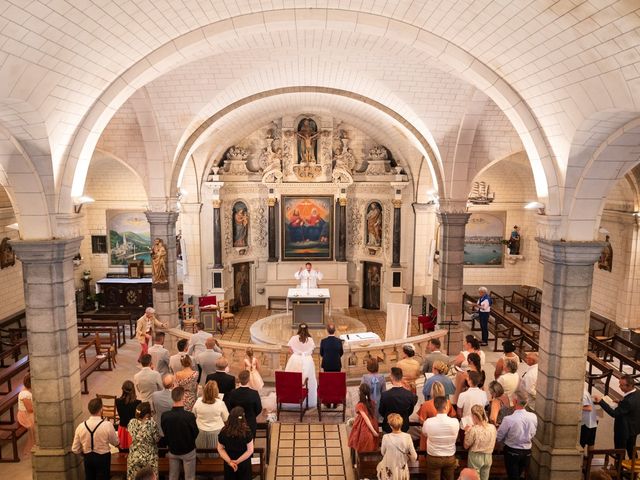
(397, 449)
(26, 415)
(211, 414)
(253, 366)
(187, 378)
(480, 440)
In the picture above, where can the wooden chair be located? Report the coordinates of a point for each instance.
(632, 466)
(428, 322)
(332, 388)
(291, 389)
(612, 462)
(109, 410)
(225, 312)
(189, 320)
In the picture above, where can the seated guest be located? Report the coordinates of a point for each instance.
(225, 382)
(147, 380)
(175, 361)
(473, 396)
(180, 431)
(235, 446)
(509, 350)
(159, 355)
(516, 432)
(211, 413)
(207, 359)
(434, 355)
(480, 440)
(440, 370)
(144, 441)
(198, 340)
(410, 366)
(441, 432)
(530, 378)
(500, 405)
(126, 407)
(397, 400)
(471, 345)
(364, 434)
(161, 401)
(428, 408)
(375, 380)
(246, 397)
(510, 379)
(187, 378)
(397, 449)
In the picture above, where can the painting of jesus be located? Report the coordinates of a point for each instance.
(307, 225)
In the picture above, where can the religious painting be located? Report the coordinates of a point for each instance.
(129, 237)
(374, 225)
(307, 136)
(242, 284)
(371, 285)
(483, 245)
(605, 262)
(7, 255)
(240, 225)
(307, 226)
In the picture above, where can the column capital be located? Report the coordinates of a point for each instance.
(396, 203)
(423, 207)
(342, 201)
(46, 251)
(191, 207)
(271, 201)
(569, 253)
(216, 203)
(453, 218)
(161, 218)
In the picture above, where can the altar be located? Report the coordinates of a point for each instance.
(308, 305)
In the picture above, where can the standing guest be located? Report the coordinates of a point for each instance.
(473, 396)
(410, 366)
(428, 409)
(589, 423)
(441, 432)
(146, 329)
(626, 423)
(530, 377)
(397, 400)
(247, 398)
(301, 347)
(146, 473)
(126, 405)
(187, 378)
(252, 365)
(509, 350)
(331, 351)
(26, 416)
(147, 380)
(144, 442)
(375, 380)
(206, 360)
(364, 434)
(434, 355)
(159, 355)
(180, 430)
(484, 309)
(175, 361)
(500, 405)
(462, 377)
(471, 345)
(211, 413)
(226, 382)
(161, 401)
(235, 446)
(92, 439)
(397, 448)
(198, 340)
(439, 371)
(510, 380)
(516, 432)
(480, 440)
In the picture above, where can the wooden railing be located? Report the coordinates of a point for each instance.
(273, 357)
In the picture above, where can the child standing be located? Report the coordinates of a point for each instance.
(397, 449)
(251, 364)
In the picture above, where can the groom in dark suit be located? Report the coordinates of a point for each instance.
(331, 352)
(247, 398)
(626, 423)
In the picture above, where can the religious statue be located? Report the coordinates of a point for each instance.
(514, 241)
(159, 262)
(307, 141)
(240, 225)
(374, 225)
(7, 255)
(373, 287)
(605, 261)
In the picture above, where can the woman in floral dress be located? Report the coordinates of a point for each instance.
(143, 451)
(187, 378)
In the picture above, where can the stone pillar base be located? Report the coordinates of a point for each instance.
(52, 463)
(548, 462)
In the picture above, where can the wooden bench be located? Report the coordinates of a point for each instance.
(602, 379)
(107, 336)
(279, 300)
(11, 433)
(14, 351)
(91, 364)
(7, 374)
(123, 318)
(7, 402)
(119, 328)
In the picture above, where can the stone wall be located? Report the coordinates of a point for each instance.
(11, 291)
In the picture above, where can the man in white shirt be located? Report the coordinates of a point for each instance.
(308, 277)
(175, 362)
(92, 440)
(159, 355)
(530, 378)
(441, 432)
(207, 360)
(147, 380)
(473, 396)
(198, 340)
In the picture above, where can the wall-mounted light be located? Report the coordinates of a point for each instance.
(13, 226)
(535, 205)
(79, 201)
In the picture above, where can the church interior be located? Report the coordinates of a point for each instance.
(255, 165)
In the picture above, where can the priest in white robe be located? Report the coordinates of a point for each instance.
(308, 277)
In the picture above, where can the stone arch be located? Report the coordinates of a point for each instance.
(197, 44)
(115, 157)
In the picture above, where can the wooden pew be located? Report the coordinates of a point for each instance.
(91, 364)
(10, 430)
(123, 318)
(7, 374)
(601, 380)
(107, 335)
(12, 352)
(7, 402)
(117, 326)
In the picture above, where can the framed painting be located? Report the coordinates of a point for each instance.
(483, 239)
(129, 237)
(307, 227)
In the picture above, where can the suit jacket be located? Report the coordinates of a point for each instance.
(174, 362)
(331, 353)
(226, 382)
(397, 400)
(626, 423)
(248, 399)
(207, 362)
(431, 358)
(141, 325)
(160, 358)
(161, 402)
(147, 381)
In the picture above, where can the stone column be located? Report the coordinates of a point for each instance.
(273, 229)
(341, 255)
(49, 294)
(191, 257)
(450, 277)
(397, 230)
(165, 300)
(564, 325)
(217, 235)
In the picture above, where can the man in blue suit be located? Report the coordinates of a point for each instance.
(331, 352)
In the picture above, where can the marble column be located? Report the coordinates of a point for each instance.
(397, 230)
(341, 255)
(165, 299)
(273, 229)
(564, 325)
(49, 293)
(450, 277)
(217, 235)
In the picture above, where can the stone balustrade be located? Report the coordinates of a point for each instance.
(273, 357)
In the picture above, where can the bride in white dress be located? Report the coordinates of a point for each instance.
(301, 360)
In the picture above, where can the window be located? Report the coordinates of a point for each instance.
(98, 244)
